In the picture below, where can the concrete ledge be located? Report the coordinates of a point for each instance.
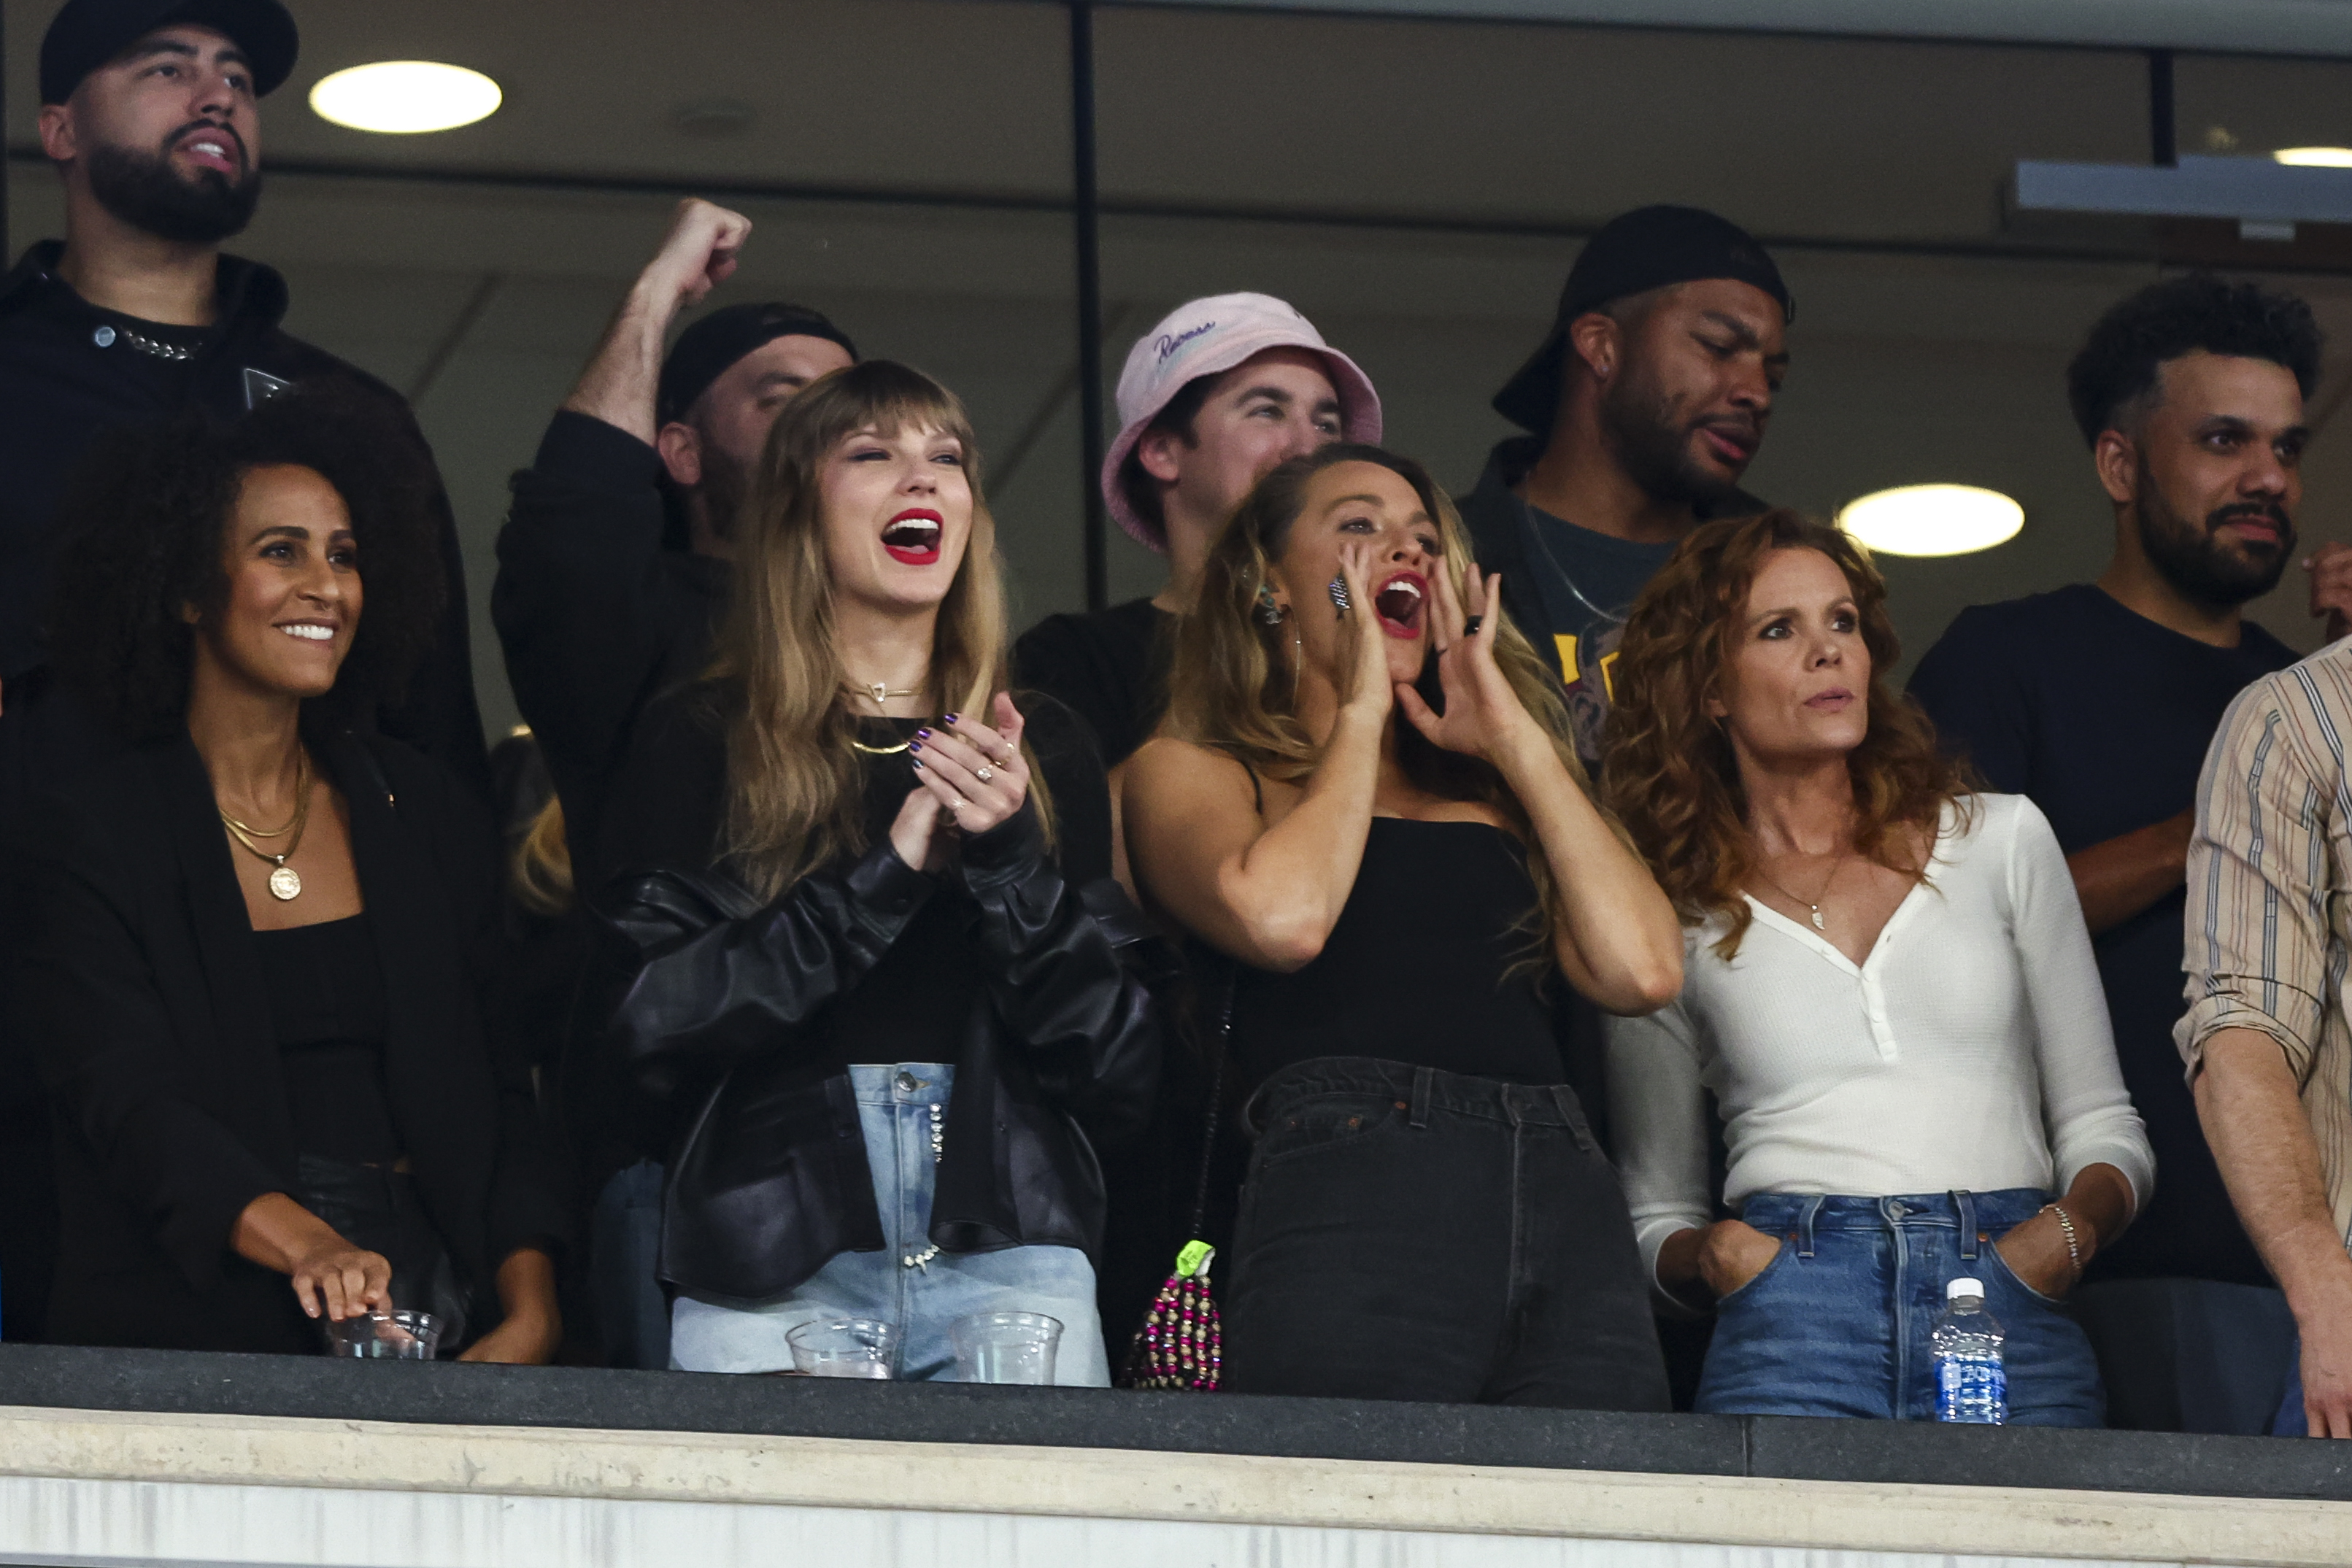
(137, 1453)
(1356, 1431)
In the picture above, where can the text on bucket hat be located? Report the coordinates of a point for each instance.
(1206, 337)
(86, 34)
(1649, 247)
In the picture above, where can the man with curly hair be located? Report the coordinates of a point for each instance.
(151, 115)
(2098, 701)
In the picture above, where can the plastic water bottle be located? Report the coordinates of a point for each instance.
(1970, 1383)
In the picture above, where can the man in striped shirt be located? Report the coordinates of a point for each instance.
(2266, 1038)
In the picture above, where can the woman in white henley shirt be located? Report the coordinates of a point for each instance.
(1906, 1039)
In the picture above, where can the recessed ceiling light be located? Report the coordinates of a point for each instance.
(401, 98)
(2315, 157)
(1933, 519)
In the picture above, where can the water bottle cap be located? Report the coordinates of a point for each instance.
(1972, 1289)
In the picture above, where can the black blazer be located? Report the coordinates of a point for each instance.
(134, 987)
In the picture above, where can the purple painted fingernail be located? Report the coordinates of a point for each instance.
(914, 746)
(951, 718)
(919, 766)
(922, 735)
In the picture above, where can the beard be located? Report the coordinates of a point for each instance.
(145, 190)
(1654, 445)
(2192, 556)
(725, 482)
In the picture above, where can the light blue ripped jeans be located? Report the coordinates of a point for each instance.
(901, 1112)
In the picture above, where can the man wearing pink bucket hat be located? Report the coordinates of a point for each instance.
(1214, 396)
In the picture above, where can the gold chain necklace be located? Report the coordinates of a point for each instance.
(285, 882)
(881, 692)
(1814, 902)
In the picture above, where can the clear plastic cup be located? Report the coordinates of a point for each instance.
(844, 1347)
(1005, 1347)
(384, 1336)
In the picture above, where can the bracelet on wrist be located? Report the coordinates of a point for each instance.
(2074, 1238)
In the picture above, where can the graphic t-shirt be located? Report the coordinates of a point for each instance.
(2102, 717)
(1568, 588)
(1586, 582)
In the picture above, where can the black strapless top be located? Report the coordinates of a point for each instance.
(327, 1000)
(1414, 969)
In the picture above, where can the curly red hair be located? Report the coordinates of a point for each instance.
(1670, 774)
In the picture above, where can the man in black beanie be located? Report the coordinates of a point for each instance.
(1644, 406)
(614, 560)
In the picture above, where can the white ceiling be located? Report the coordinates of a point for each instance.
(2308, 27)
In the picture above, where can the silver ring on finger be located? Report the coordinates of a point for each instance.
(984, 773)
(960, 804)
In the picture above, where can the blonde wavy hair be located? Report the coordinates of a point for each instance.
(1233, 682)
(1669, 771)
(794, 780)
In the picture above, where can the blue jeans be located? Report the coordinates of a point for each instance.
(1837, 1323)
(910, 1282)
(625, 1252)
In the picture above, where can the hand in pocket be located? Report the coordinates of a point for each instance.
(1732, 1253)
(2037, 1254)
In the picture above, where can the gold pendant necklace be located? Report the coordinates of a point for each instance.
(881, 692)
(285, 882)
(1813, 902)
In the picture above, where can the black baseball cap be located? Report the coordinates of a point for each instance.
(86, 34)
(704, 350)
(1635, 252)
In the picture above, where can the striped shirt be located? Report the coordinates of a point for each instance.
(2270, 893)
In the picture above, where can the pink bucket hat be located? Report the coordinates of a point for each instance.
(1204, 338)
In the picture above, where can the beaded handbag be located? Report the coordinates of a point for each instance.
(1181, 1343)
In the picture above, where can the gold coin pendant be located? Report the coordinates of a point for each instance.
(285, 884)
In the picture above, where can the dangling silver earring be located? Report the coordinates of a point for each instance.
(1269, 613)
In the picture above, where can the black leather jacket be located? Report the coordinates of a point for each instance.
(769, 1179)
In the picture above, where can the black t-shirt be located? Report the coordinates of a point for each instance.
(2102, 717)
(1109, 668)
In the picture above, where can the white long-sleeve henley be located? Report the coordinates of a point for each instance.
(1970, 1050)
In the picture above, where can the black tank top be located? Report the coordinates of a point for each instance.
(1414, 969)
(327, 998)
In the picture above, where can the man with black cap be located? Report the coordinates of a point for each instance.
(1644, 406)
(150, 113)
(613, 560)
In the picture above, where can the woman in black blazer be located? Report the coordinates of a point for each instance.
(241, 933)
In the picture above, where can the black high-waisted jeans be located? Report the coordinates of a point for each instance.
(1411, 1233)
(378, 1209)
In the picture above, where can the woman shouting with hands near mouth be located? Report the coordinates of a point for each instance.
(863, 985)
(1367, 796)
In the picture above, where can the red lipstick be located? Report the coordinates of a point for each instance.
(912, 537)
